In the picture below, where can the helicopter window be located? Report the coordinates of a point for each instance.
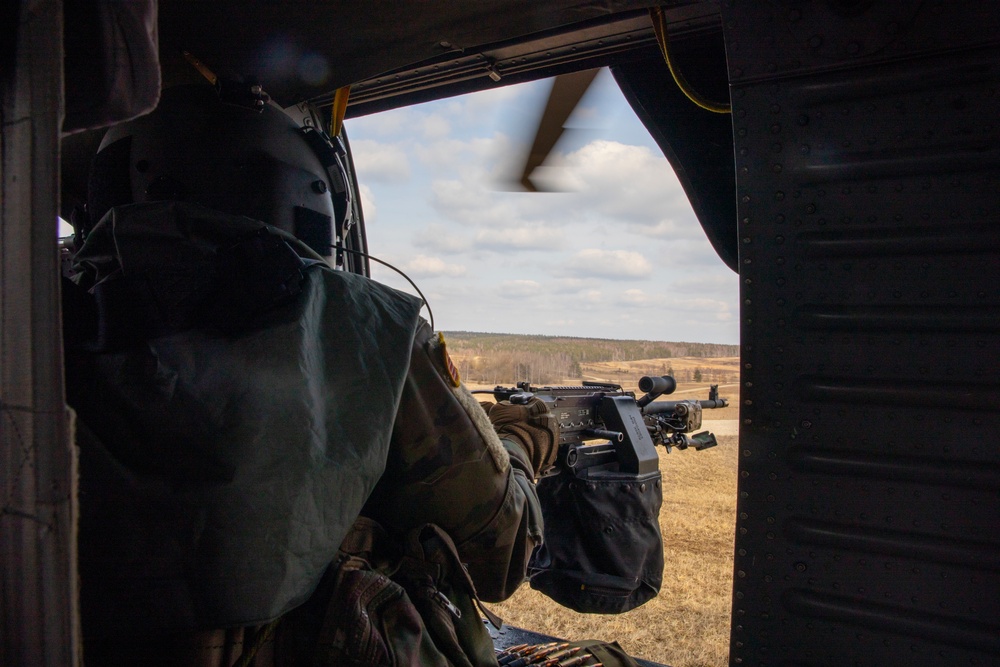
(609, 248)
(613, 248)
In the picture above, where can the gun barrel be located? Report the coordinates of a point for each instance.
(671, 406)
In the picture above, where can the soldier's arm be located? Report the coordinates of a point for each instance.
(448, 466)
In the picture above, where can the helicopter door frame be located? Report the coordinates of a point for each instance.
(40, 621)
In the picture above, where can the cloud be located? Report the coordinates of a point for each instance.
(567, 285)
(376, 161)
(561, 323)
(669, 228)
(618, 254)
(517, 289)
(474, 159)
(380, 124)
(713, 285)
(695, 254)
(442, 239)
(471, 204)
(608, 264)
(701, 308)
(512, 109)
(636, 297)
(368, 203)
(613, 185)
(518, 238)
(488, 100)
(682, 306)
(629, 183)
(424, 266)
(435, 126)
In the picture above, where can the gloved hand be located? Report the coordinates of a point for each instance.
(532, 426)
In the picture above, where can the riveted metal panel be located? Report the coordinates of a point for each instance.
(868, 182)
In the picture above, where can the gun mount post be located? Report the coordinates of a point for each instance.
(636, 452)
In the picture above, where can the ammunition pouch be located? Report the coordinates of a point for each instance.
(392, 604)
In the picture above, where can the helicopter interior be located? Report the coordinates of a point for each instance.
(854, 187)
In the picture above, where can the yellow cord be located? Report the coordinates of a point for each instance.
(660, 28)
(201, 67)
(338, 110)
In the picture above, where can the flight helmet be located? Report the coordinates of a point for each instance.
(238, 153)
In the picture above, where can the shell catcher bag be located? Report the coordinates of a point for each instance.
(602, 551)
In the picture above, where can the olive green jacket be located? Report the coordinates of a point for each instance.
(230, 431)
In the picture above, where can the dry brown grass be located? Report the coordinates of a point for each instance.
(687, 624)
(623, 369)
(718, 370)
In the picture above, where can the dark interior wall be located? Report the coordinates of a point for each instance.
(868, 189)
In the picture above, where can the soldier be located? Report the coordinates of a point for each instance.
(240, 403)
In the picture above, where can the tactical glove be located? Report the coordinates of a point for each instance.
(532, 426)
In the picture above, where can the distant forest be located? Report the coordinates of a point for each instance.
(491, 358)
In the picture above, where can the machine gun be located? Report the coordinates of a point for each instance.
(631, 427)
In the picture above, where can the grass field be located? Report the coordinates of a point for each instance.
(687, 624)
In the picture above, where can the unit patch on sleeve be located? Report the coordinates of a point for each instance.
(449, 365)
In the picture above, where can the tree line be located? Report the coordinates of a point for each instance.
(504, 367)
(495, 358)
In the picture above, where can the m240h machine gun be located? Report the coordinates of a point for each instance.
(602, 550)
(631, 427)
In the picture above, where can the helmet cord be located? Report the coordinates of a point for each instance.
(430, 313)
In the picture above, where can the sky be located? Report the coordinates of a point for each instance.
(614, 252)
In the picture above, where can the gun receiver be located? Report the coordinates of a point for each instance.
(632, 427)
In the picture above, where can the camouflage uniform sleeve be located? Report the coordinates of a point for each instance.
(447, 466)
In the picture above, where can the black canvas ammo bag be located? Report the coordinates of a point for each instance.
(602, 551)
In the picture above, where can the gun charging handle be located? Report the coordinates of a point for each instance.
(654, 388)
(522, 397)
